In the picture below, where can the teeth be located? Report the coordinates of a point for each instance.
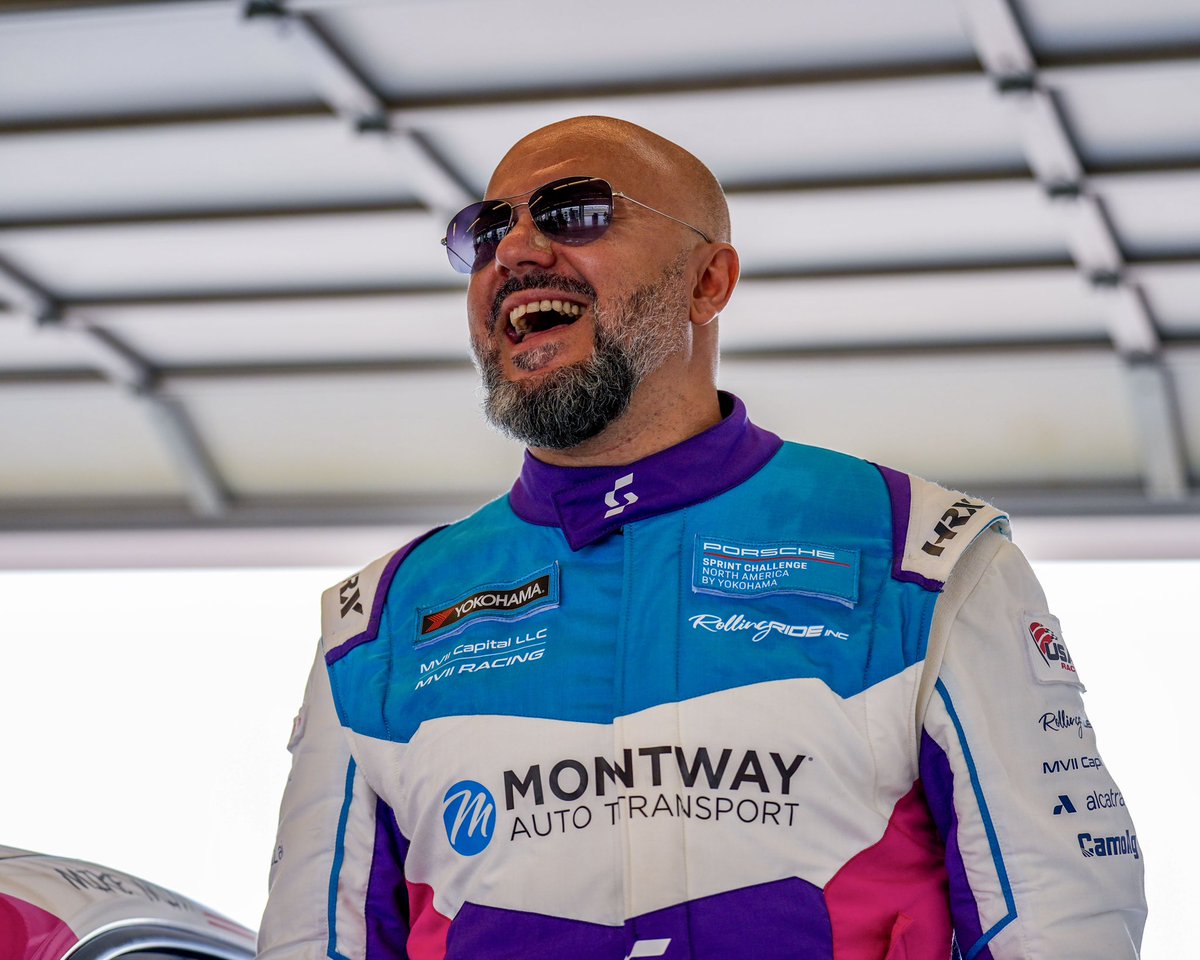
(517, 315)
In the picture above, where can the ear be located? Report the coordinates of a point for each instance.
(718, 275)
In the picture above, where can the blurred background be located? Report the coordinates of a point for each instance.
(233, 364)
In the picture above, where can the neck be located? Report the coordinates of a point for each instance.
(663, 411)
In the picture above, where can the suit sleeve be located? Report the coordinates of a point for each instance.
(336, 883)
(1042, 854)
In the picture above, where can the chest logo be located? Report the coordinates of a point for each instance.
(510, 600)
(610, 498)
(736, 568)
(469, 814)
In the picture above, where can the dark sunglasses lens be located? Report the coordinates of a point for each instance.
(576, 210)
(475, 232)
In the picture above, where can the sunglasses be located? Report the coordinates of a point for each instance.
(574, 211)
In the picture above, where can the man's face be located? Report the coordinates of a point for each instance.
(618, 306)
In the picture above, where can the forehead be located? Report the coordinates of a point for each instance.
(532, 163)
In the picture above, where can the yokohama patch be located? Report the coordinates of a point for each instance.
(733, 568)
(1048, 654)
(509, 600)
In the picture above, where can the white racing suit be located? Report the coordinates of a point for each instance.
(739, 699)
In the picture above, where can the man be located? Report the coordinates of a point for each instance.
(686, 691)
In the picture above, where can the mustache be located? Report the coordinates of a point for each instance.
(539, 281)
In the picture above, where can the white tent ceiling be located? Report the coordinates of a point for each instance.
(223, 303)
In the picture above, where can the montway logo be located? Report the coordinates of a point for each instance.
(570, 778)
(1122, 845)
(487, 600)
(348, 597)
(469, 813)
(610, 498)
(947, 528)
(704, 785)
(1051, 649)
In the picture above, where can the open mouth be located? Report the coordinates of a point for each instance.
(540, 315)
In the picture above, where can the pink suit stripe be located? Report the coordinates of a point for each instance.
(890, 900)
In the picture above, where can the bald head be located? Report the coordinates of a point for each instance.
(644, 165)
(645, 293)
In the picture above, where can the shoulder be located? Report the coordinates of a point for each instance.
(351, 609)
(932, 527)
(928, 527)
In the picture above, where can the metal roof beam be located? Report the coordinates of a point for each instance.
(900, 351)
(452, 286)
(428, 507)
(344, 89)
(137, 298)
(934, 271)
(123, 367)
(966, 176)
(1157, 414)
(206, 492)
(1009, 61)
(697, 85)
(23, 296)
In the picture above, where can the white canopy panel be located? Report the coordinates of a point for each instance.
(223, 302)
(79, 441)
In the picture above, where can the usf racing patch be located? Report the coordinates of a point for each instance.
(735, 568)
(1047, 651)
(509, 600)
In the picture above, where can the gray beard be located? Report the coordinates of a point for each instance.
(565, 407)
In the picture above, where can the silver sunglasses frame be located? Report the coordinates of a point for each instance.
(445, 241)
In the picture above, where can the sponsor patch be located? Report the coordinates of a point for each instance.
(735, 568)
(701, 784)
(1122, 845)
(469, 815)
(1071, 764)
(494, 653)
(1048, 655)
(1105, 800)
(946, 527)
(1064, 805)
(1060, 720)
(763, 628)
(511, 600)
(349, 597)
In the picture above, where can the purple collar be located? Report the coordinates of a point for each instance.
(589, 503)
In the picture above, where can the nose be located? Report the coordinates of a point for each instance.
(524, 245)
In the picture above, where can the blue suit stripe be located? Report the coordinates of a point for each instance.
(997, 857)
(339, 854)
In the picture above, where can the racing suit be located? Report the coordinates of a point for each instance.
(742, 698)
